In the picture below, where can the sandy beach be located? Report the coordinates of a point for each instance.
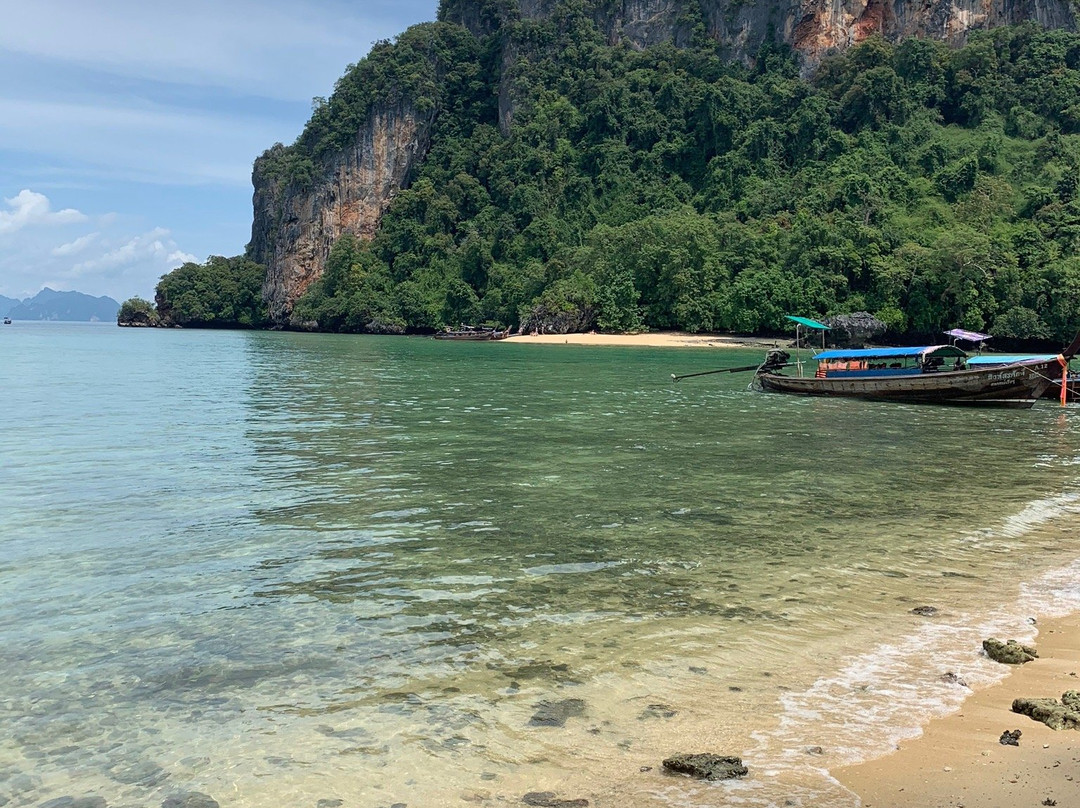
(958, 761)
(660, 339)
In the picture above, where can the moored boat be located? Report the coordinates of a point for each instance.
(930, 374)
(474, 334)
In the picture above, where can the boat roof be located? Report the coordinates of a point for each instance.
(891, 353)
(970, 336)
(806, 321)
(1008, 359)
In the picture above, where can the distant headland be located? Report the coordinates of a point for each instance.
(71, 307)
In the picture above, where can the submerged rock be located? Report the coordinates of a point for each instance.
(190, 799)
(548, 799)
(954, 679)
(925, 611)
(1057, 715)
(144, 773)
(658, 711)
(707, 766)
(555, 713)
(1010, 652)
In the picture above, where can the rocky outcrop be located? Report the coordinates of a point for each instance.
(854, 331)
(706, 766)
(1057, 715)
(1009, 652)
(813, 27)
(295, 223)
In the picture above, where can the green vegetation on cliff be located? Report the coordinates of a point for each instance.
(665, 188)
(137, 312)
(932, 186)
(222, 293)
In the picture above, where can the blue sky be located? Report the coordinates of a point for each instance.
(128, 129)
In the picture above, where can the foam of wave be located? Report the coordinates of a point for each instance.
(883, 696)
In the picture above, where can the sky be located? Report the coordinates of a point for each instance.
(128, 127)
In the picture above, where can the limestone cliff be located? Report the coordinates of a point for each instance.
(298, 216)
(295, 224)
(740, 27)
(812, 27)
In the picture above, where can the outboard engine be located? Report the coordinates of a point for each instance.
(774, 360)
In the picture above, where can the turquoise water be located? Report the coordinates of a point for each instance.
(284, 568)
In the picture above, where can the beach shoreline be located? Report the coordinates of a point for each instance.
(959, 760)
(658, 339)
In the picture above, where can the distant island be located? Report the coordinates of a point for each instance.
(48, 304)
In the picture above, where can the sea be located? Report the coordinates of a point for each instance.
(283, 569)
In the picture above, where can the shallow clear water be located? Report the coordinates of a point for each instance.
(284, 568)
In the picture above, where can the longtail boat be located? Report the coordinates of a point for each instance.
(473, 334)
(930, 374)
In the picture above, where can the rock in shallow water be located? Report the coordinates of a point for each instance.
(190, 799)
(547, 799)
(1010, 652)
(555, 713)
(707, 766)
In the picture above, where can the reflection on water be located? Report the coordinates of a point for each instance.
(285, 568)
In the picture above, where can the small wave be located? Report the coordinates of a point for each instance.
(570, 569)
(881, 697)
(1034, 515)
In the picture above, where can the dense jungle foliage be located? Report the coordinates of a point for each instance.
(222, 293)
(934, 187)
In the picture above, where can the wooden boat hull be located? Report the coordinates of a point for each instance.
(1018, 385)
(473, 336)
(1072, 394)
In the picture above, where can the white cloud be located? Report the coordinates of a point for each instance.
(77, 246)
(154, 248)
(29, 208)
(108, 261)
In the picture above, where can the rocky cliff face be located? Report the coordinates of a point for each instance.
(812, 27)
(295, 224)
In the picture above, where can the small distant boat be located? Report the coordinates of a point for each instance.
(930, 374)
(473, 333)
(7, 321)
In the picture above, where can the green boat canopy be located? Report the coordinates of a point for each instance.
(808, 322)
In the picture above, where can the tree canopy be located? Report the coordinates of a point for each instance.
(932, 186)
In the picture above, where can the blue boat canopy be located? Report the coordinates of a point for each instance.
(924, 352)
(806, 321)
(1008, 359)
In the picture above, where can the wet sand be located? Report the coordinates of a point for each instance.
(958, 761)
(664, 339)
